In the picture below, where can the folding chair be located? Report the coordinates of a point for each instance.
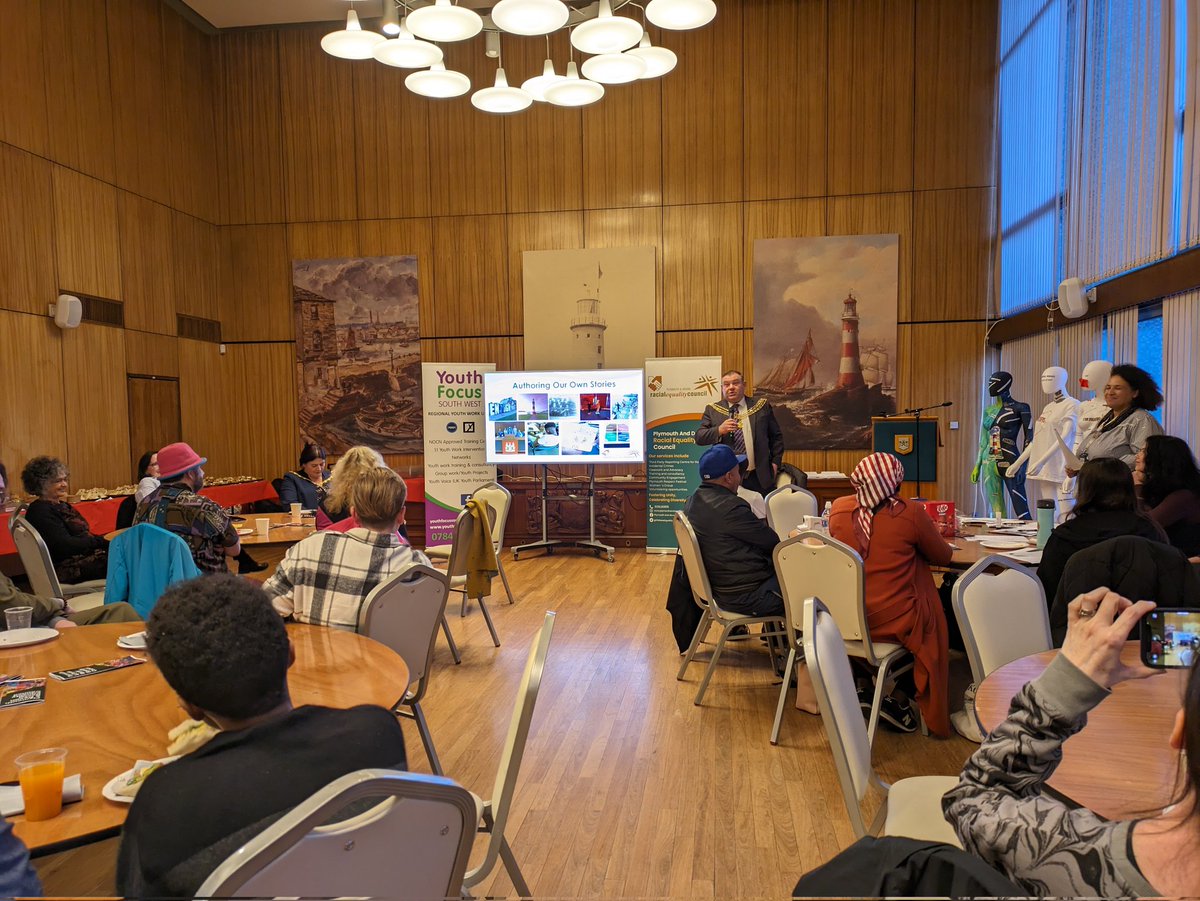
(702, 592)
(456, 565)
(912, 807)
(414, 843)
(811, 564)
(403, 612)
(498, 499)
(787, 506)
(1001, 611)
(39, 568)
(493, 814)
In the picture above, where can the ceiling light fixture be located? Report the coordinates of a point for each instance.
(444, 22)
(613, 68)
(606, 33)
(680, 15)
(500, 98)
(530, 17)
(439, 82)
(406, 52)
(351, 42)
(390, 23)
(618, 47)
(573, 90)
(659, 60)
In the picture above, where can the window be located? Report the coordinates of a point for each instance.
(1150, 344)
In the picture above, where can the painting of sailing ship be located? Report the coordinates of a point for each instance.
(358, 352)
(825, 336)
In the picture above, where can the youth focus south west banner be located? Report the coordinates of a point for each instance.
(677, 390)
(454, 442)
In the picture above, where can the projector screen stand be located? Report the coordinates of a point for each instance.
(549, 545)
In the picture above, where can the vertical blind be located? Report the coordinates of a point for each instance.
(1123, 335)
(1099, 144)
(1181, 378)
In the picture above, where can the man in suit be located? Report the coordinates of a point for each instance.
(748, 426)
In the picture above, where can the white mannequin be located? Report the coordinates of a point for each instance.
(1090, 412)
(1047, 467)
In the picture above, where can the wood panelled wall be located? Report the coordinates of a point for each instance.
(784, 118)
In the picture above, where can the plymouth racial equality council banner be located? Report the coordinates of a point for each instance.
(454, 442)
(677, 389)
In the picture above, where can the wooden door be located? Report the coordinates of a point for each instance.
(153, 415)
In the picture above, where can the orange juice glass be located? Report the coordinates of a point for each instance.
(41, 776)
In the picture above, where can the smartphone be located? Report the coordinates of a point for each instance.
(1170, 638)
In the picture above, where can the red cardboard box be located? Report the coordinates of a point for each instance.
(942, 514)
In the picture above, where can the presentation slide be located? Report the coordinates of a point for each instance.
(590, 416)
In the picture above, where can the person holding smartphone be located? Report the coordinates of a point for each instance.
(1001, 814)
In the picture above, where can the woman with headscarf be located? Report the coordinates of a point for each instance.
(897, 541)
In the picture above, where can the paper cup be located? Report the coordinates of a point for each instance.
(297, 512)
(18, 618)
(264, 526)
(41, 776)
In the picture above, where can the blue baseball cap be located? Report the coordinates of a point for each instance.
(718, 460)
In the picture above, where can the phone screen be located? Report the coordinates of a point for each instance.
(1170, 638)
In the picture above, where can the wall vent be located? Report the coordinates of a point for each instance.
(198, 329)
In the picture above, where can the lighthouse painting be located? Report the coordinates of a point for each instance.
(825, 336)
(588, 309)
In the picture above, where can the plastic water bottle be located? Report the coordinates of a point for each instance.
(825, 516)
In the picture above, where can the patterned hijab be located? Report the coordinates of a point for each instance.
(875, 480)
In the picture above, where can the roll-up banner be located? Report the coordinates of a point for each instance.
(455, 463)
(677, 390)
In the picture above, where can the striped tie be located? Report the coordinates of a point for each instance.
(739, 440)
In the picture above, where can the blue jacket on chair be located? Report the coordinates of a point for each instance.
(142, 563)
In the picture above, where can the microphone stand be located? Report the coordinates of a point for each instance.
(916, 413)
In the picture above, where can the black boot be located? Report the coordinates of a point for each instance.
(247, 564)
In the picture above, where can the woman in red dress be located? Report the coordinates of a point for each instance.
(897, 541)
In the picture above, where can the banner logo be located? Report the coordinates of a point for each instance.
(903, 444)
(655, 383)
(708, 383)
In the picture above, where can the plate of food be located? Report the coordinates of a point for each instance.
(245, 531)
(123, 788)
(19, 638)
(136, 641)
(1003, 544)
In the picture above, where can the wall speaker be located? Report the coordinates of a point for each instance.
(1072, 298)
(67, 311)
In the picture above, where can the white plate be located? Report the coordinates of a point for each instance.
(245, 531)
(110, 787)
(1004, 544)
(19, 638)
(135, 642)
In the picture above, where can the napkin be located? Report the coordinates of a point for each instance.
(11, 802)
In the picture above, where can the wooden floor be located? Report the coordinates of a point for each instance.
(628, 789)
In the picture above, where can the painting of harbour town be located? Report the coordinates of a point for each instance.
(825, 336)
(358, 352)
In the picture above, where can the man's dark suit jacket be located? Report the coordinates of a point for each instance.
(767, 436)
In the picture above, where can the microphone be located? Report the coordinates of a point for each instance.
(884, 414)
(948, 403)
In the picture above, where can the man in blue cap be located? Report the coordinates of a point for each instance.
(736, 545)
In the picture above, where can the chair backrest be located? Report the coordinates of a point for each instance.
(837, 696)
(787, 506)
(18, 512)
(35, 557)
(693, 563)
(414, 844)
(403, 612)
(126, 512)
(514, 745)
(811, 564)
(499, 499)
(1001, 611)
(460, 543)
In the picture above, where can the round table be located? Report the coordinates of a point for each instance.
(282, 531)
(1120, 764)
(109, 721)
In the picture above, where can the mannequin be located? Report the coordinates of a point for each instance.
(1003, 422)
(1046, 471)
(1091, 411)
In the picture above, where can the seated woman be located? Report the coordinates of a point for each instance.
(77, 554)
(897, 541)
(1049, 848)
(1169, 484)
(1105, 507)
(308, 485)
(350, 467)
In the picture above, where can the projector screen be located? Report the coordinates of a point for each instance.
(590, 416)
